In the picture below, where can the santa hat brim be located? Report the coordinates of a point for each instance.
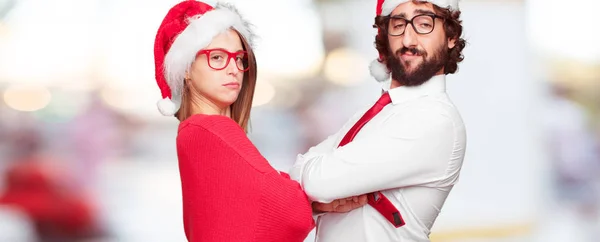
(389, 5)
(195, 37)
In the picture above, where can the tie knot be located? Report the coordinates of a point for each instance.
(384, 99)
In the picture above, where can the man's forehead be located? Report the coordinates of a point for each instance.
(411, 9)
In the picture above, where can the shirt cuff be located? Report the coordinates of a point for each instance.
(296, 170)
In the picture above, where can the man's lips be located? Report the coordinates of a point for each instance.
(406, 56)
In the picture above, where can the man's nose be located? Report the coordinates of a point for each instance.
(409, 38)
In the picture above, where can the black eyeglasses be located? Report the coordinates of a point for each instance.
(422, 24)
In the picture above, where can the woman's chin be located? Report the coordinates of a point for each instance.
(228, 99)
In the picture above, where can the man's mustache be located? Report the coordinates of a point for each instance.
(413, 51)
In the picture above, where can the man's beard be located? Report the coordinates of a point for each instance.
(421, 73)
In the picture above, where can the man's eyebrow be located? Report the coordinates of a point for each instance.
(423, 11)
(416, 12)
(401, 15)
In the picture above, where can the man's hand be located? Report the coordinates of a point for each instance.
(340, 205)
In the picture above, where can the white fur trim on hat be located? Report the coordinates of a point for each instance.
(389, 5)
(379, 71)
(196, 36)
(167, 107)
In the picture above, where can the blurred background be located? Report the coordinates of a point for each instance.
(86, 156)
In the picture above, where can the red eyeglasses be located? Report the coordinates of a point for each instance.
(218, 59)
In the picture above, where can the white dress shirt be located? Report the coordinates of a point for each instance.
(412, 151)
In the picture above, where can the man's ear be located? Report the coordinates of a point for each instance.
(451, 43)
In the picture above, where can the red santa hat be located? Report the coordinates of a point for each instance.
(187, 28)
(385, 7)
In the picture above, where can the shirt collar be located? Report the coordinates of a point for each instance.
(437, 84)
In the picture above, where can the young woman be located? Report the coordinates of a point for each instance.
(206, 71)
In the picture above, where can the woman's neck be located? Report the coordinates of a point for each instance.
(202, 105)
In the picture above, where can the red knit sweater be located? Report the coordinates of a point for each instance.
(230, 192)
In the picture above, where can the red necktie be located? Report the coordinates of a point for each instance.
(377, 200)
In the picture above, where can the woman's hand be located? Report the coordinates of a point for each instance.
(340, 205)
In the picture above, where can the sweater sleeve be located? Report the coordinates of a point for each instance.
(230, 191)
(221, 187)
(287, 207)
